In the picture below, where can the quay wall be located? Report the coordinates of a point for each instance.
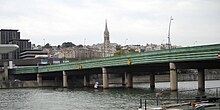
(29, 84)
(166, 78)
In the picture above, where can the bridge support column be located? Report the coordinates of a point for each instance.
(65, 79)
(123, 80)
(173, 77)
(152, 81)
(129, 80)
(86, 80)
(5, 71)
(39, 80)
(105, 78)
(201, 79)
(56, 79)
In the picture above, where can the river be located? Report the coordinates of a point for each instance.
(114, 98)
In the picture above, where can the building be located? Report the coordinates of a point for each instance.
(6, 35)
(12, 36)
(23, 44)
(73, 53)
(151, 47)
(31, 54)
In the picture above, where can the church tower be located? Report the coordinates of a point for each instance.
(106, 39)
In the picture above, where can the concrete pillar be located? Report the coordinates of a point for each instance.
(123, 79)
(56, 78)
(105, 78)
(10, 64)
(201, 79)
(6, 71)
(129, 80)
(86, 80)
(39, 80)
(1, 76)
(152, 81)
(173, 77)
(65, 79)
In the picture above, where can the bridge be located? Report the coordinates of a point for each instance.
(151, 62)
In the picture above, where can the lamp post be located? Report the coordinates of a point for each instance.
(44, 41)
(126, 41)
(84, 42)
(169, 43)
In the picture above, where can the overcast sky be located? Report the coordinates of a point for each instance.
(196, 22)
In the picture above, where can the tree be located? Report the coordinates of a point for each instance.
(79, 46)
(131, 50)
(119, 52)
(68, 44)
(47, 46)
(118, 47)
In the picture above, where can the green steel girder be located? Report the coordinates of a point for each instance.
(25, 70)
(197, 53)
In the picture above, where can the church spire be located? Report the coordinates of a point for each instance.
(106, 27)
(106, 40)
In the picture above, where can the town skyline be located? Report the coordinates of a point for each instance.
(129, 22)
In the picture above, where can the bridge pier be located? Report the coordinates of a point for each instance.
(123, 80)
(65, 84)
(129, 78)
(39, 80)
(173, 77)
(152, 81)
(201, 79)
(5, 71)
(105, 78)
(57, 79)
(86, 80)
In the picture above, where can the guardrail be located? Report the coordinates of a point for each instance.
(185, 96)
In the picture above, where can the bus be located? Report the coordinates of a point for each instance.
(44, 59)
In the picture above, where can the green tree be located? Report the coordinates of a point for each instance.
(68, 44)
(79, 46)
(47, 46)
(119, 52)
(118, 47)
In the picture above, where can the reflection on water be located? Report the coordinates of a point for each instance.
(83, 98)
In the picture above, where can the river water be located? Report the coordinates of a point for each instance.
(114, 98)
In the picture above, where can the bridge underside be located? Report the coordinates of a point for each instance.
(210, 64)
(151, 68)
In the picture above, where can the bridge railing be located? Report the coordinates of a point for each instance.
(24, 70)
(184, 96)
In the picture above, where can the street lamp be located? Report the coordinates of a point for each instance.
(126, 41)
(169, 43)
(44, 41)
(84, 42)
